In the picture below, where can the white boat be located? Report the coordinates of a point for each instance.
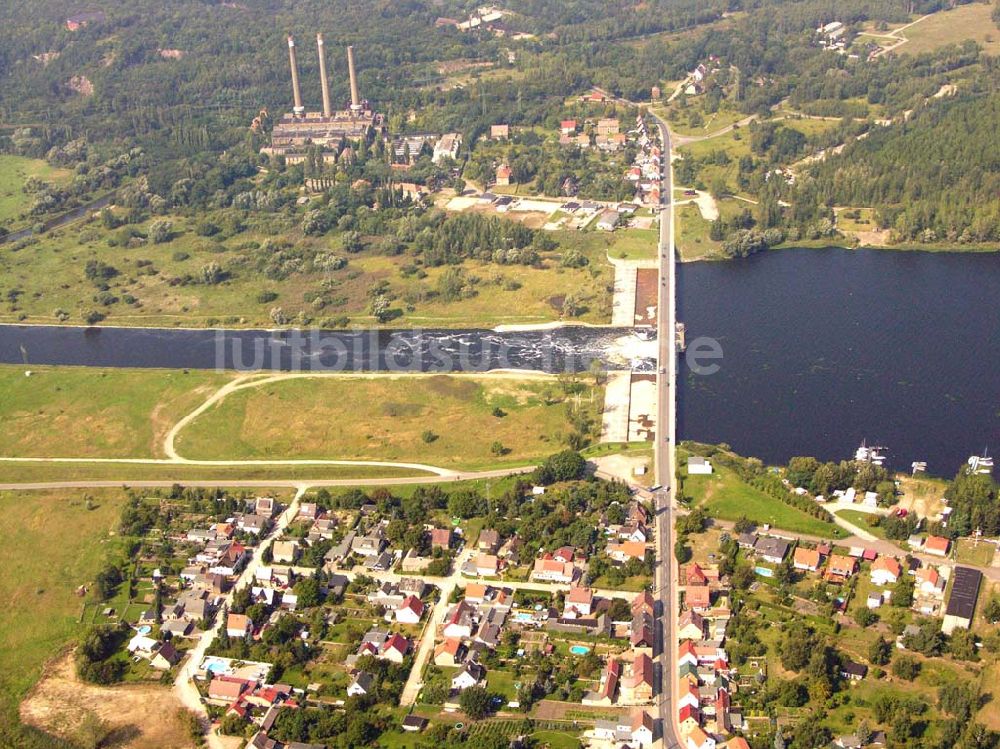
(873, 455)
(918, 466)
(981, 463)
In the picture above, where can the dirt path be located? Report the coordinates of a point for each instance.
(140, 716)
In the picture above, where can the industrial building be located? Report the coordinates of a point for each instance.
(295, 131)
(962, 601)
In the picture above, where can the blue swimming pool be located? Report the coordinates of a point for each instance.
(579, 650)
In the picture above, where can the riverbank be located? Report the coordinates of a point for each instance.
(826, 244)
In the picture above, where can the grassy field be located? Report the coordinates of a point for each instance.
(726, 497)
(968, 551)
(95, 413)
(146, 291)
(860, 519)
(386, 418)
(124, 473)
(635, 244)
(693, 241)
(954, 26)
(50, 543)
(14, 172)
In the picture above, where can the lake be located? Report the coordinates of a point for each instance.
(821, 349)
(825, 348)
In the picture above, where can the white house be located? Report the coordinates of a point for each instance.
(698, 465)
(469, 676)
(885, 571)
(361, 685)
(410, 611)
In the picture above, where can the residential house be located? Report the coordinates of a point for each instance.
(928, 582)
(499, 132)
(806, 559)
(165, 657)
(361, 684)
(395, 648)
(489, 541)
(853, 671)
(469, 675)
(176, 628)
(771, 549)
(885, 571)
(698, 739)
(553, 571)
(503, 175)
(695, 575)
(238, 625)
(227, 689)
(689, 718)
(691, 626)
(487, 565)
(608, 687)
(637, 684)
(840, 567)
(441, 538)
(459, 621)
(608, 220)
(937, 545)
(451, 652)
(644, 603)
(698, 598)
(264, 506)
(567, 127)
(642, 729)
(284, 552)
(369, 545)
(579, 602)
(627, 551)
(686, 654)
(410, 610)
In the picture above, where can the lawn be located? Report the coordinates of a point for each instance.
(50, 543)
(968, 551)
(693, 240)
(158, 284)
(14, 172)
(635, 244)
(95, 413)
(727, 497)
(444, 420)
(860, 519)
(954, 26)
(556, 739)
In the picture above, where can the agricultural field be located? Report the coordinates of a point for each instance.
(40, 607)
(442, 420)
(14, 172)
(971, 21)
(723, 495)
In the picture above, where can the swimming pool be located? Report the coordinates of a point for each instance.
(145, 629)
(579, 650)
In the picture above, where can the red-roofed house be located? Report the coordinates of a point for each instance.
(580, 600)
(410, 610)
(885, 571)
(441, 538)
(698, 598)
(567, 127)
(395, 648)
(695, 575)
(689, 718)
(806, 559)
(937, 545)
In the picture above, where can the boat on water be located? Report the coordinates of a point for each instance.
(873, 455)
(918, 466)
(982, 464)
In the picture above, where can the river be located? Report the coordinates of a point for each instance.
(821, 349)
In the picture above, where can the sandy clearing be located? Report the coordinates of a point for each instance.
(146, 717)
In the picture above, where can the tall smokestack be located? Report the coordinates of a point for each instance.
(327, 109)
(355, 99)
(299, 109)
